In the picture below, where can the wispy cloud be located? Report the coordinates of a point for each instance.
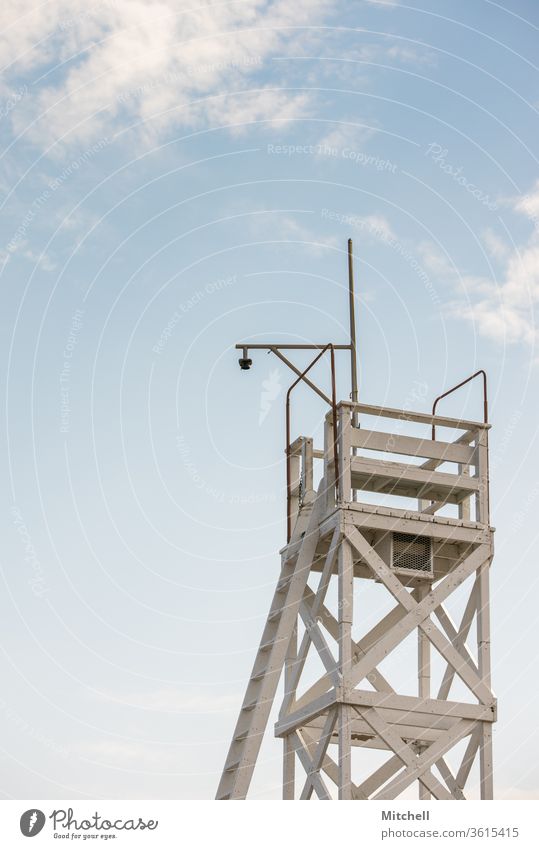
(93, 69)
(505, 310)
(347, 136)
(496, 246)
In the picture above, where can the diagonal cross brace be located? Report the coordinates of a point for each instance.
(319, 753)
(299, 662)
(416, 767)
(418, 613)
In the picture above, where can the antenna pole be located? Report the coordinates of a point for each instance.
(353, 357)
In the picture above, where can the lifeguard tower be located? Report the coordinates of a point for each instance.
(420, 555)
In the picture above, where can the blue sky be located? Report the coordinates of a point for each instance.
(177, 177)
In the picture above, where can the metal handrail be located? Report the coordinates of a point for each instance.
(458, 386)
(301, 377)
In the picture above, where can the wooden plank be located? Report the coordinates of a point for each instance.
(415, 704)
(411, 522)
(417, 527)
(464, 439)
(392, 443)
(410, 481)
(409, 416)
(419, 515)
(364, 737)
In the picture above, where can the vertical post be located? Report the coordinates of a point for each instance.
(464, 506)
(329, 465)
(423, 668)
(346, 600)
(293, 506)
(345, 453)
(306, 465)
(483, 615)
(353, 355)
(483, 643)
(482, 498)
(289, 753)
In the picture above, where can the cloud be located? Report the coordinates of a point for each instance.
(529, 204)
(287, 227)
(383, 2)
(410, 55)
(43, 260)
(376, 226)
(290, 229)
(496, 247)
(435, 260)
(347, 136)
(93, 69)
(505, 312)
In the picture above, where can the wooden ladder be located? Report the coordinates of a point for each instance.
(270, 659)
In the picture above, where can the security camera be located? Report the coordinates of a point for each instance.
(245, 363)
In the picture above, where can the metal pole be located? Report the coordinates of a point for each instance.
(353, 357)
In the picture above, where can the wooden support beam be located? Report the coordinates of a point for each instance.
(302, 716)
(408, 758)
(296, 668)
(417, 614)
(468, 758)
(458, 638)
(314, 777)
(410, 705)
(317, 758)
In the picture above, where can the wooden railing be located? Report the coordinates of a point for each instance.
(465, 484)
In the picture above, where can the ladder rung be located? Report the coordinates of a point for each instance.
(283, 584)
(241, 735)
(258, 675)
(250, 705)
(231, 767)
(267, 646)
(275, 615)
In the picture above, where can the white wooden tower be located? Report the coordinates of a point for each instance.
(349, 531)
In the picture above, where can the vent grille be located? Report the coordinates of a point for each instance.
(411, 553)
